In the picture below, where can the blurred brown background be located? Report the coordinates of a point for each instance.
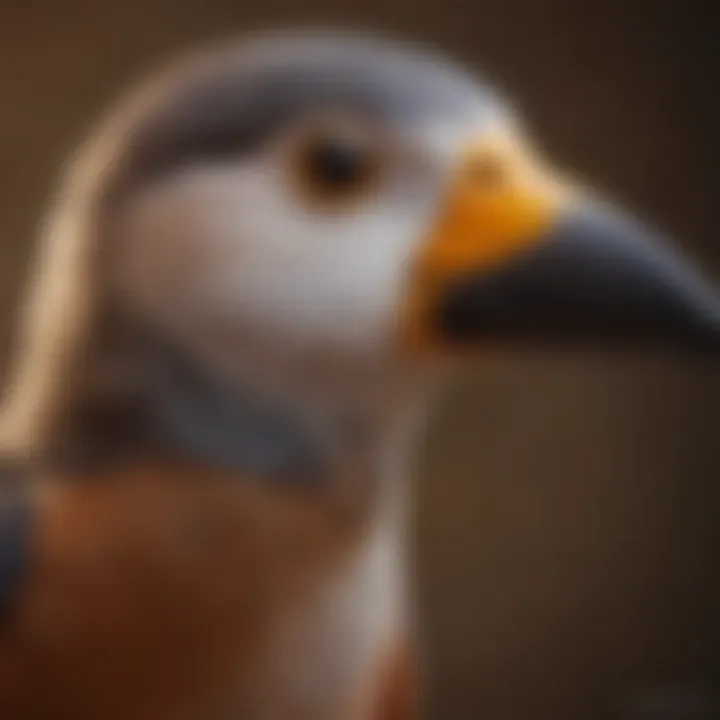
(569, 521)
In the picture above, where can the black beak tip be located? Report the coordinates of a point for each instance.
(598, 279)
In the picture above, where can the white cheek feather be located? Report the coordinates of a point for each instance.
(235, 245)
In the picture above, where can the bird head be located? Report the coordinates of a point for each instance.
(346, 202)
(346, 196)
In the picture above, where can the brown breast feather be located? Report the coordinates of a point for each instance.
(152, 592)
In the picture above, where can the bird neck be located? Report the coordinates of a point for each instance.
(272, 420)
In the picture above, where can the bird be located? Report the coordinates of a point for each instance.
(255, 274)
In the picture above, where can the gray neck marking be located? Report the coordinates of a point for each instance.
(234, 428)
(176, 409)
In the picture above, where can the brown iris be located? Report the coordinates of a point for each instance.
(336, 165)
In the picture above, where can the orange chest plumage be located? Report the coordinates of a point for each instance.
(158, 595)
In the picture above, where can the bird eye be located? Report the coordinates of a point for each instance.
(336, 165)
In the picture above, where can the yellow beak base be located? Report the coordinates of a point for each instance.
(516, 256)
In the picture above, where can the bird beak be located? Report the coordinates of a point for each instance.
(520, 256)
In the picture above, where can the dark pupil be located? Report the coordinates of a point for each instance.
(338, 163)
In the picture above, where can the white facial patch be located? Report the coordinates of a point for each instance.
(235, 247)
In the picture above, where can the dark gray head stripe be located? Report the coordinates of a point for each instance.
(243, 95)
